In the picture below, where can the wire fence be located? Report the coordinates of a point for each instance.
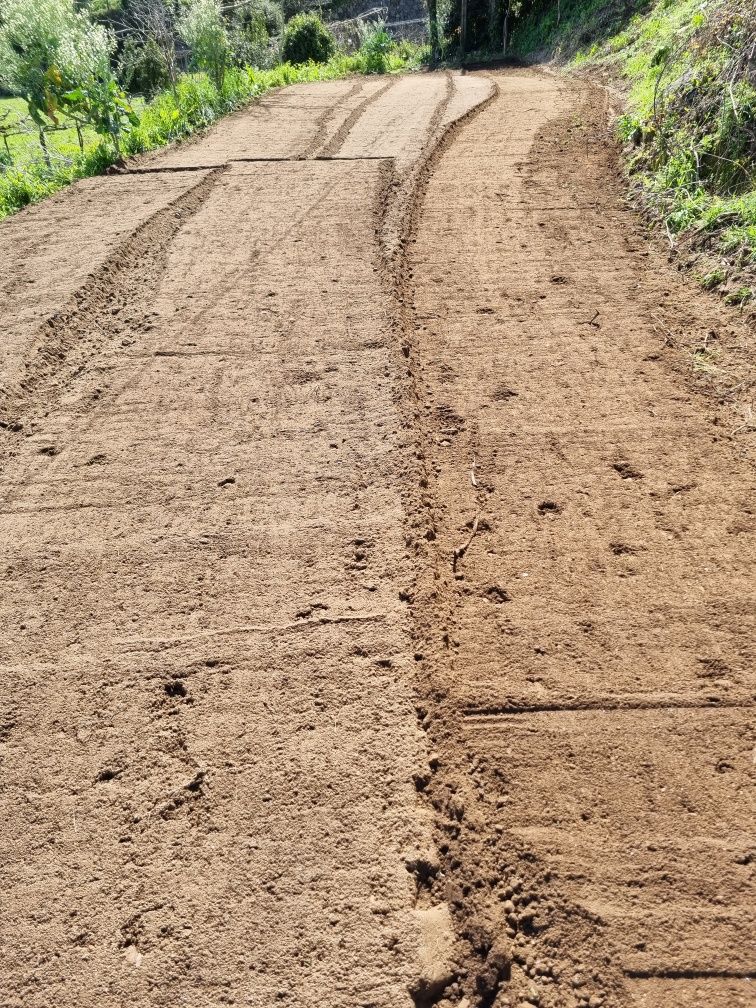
(37, 148)
(349, 31)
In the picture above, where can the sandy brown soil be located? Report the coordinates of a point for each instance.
(586, 606)
(377, 537)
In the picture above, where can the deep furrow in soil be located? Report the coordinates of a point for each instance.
(117, 296)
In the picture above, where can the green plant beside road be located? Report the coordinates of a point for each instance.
(376, 50)
(59, 61)
(306, 39)
(204, 31)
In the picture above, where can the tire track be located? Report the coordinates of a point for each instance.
(124, 286)
(537, 922)
(321, 123)
(214, 684)
(332, 146)
(484, 956)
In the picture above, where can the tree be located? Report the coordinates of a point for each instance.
(249, 41)
(433, 31)
(142, 68)
(204, 31)
(487, 23)
(59, 62)
(153, 24)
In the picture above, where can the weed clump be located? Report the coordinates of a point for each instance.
(375, 50)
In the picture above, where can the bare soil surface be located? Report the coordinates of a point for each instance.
(377, 532)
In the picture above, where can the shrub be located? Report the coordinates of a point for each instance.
(272, 15)
(59, 62)
(142, 69)
(292, 7)
(250, 40)
(375, 49)
(46, 48)
(204, 31)
(306, 39)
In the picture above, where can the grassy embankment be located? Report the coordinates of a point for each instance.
(688, 68)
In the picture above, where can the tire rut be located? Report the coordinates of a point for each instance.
(527, 932)
(493, 896)
(331, 146)
(117, 297)
(321, 123)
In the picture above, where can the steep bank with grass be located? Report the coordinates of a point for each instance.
(688, 70)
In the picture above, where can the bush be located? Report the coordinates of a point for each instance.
(48, 47)
(292, 7)
(375, 49)
(272, 15)
(249, 41)
(142, 68)
(204, 31)
(59, 62)
(306, 39)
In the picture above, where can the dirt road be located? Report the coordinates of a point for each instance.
(378, 583)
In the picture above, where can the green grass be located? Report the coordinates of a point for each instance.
(25, 147)
(577, 26)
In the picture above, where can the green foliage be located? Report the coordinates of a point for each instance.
(712, 279)
(306, 39)
(375, 50)
(101, 10)
(740, 296)
(142, 68)
(59, 62)
(272, 16)
(294, 7)
(47, 48)
(100, 103)
(570, 27)
(250, 39)
(194, 103)
(204, 31)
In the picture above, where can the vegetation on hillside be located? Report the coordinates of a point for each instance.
(306, 39)
(91, 83)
